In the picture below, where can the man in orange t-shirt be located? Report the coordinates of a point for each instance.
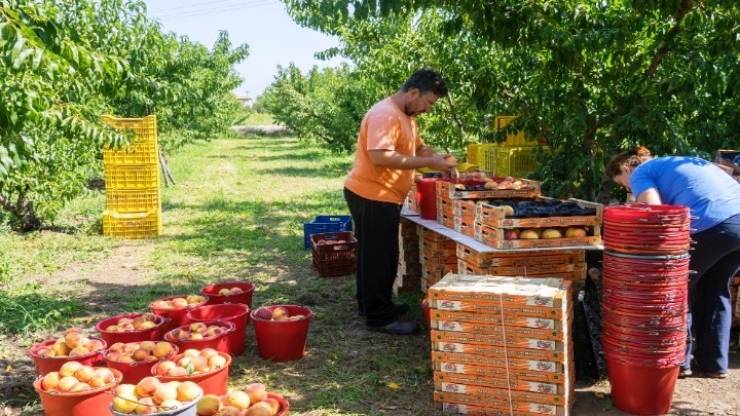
(389, 148)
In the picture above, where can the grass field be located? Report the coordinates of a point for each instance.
(236, 213)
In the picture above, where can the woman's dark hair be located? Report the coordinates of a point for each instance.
(630, 159)
(426, 80)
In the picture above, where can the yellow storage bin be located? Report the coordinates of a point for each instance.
(132, 225)
(512, 139)
(131, 177)
(516, 161)
(143, 147)
(140, 200)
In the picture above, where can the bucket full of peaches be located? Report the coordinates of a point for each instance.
(136, 359)
(77, 390)
(176, 308)
(132, 327)
(254, 400)
(153, 397)
(207, 368)
(74, 345)
(201, 335)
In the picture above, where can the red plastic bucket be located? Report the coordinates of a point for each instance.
(46, 365)
(134, 372)
(84, 403)
(639, 321)
(216, 382)
(427, 189)
(152, 334)
(214, 298)
(641, 390)
(218, 343)
(178, 316)
(236, 313)
(647, 214)
(282, 340)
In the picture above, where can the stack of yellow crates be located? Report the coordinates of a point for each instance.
(133, 201)
(502, 345)
(515, 157)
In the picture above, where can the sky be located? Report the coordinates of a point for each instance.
(273, 38)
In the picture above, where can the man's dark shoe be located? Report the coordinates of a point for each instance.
(397, 328)
(401, 309)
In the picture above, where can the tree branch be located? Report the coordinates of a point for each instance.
(663, 49)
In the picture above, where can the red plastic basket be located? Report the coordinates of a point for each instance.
(214, 382)
(218, 343)
(152, 334)
(334, 259)
(135, 371)
(214, 298)
(84, 403)
(647, 214)
(48, 364)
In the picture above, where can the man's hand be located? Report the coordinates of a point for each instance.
(442, 163)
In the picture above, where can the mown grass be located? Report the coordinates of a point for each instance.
(237, 212)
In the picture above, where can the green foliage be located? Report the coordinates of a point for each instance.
(590, 77)
(63, 64)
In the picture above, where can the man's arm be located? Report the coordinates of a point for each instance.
(649, 196)
(393, 159)
(425, 151)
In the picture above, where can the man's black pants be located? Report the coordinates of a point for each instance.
(376, 229)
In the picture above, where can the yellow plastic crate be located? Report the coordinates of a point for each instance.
(141, 200)
(132, 225)
(516, 161)
(512, 139)
(143, 147)
(131, 177)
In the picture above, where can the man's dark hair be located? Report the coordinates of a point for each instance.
(426, 80)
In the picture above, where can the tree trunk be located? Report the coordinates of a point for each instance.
(590, 144)
(166, 173)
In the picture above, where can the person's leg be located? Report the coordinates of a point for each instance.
(357, 210)
(713, 324)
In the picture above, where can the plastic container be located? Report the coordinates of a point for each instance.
(178, 316)
(325, 224)
(84, 403)
(641, 390)
(134, 372)
(282, 340)
(214, 298)
(647, 214)
(190, 409)
(46, 365)
(152, 334)
(219, 342)
(334, 259)
(639, 321)
(132, 225)
(236, 313)
(427, 190)
(215, 382)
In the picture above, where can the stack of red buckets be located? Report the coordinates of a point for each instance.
(645, 303)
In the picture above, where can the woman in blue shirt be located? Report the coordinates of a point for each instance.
(713, 197)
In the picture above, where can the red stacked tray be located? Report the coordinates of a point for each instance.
(645, 302)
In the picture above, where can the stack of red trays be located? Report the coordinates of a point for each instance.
(645, 302)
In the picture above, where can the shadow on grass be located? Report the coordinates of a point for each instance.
(329, 172)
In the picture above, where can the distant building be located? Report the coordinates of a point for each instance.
(245, 99)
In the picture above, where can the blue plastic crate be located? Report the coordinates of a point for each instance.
(325, 224)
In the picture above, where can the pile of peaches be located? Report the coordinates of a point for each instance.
(73, 344)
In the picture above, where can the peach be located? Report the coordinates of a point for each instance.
(163, 368)
(185, 361)
(191, 353)
(147, 345)
(74, 339)
(151, 359)
(238, 399)
(259, 409)
(111, 328)
(161, 304)
(170, 404)
(96, 382)
(117, 347)
(195, 299)
(84, 374)
(105, 374)
(188, 391)
(263, 313)
(196, 336)
(174, 384)
(69, 368)
(201, 364)
(163, 393)
(50, 381)
(78, 352)
(209, 405)
(214, 331)
(126, 389)
(125, 402)
(162, 349)
(198, 327)
(274, 405)
(145, 325)
(80, 387)
(60, 348)
(217, 361)
(94, 345)
(257, 392)
(146, 406)
(140, 355)
(177, 372)
(236, 290)
(207, 353)
(147, 386)
(130, 348)
(66, 383)
(279, 312)
(224, 291)
(179, 303)
(229, 411)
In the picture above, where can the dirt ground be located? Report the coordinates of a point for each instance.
(128, 266)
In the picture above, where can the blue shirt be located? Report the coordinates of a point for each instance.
(711, 194)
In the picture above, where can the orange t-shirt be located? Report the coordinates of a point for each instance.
(384, 127)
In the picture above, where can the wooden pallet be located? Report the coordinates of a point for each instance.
(495, 217)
